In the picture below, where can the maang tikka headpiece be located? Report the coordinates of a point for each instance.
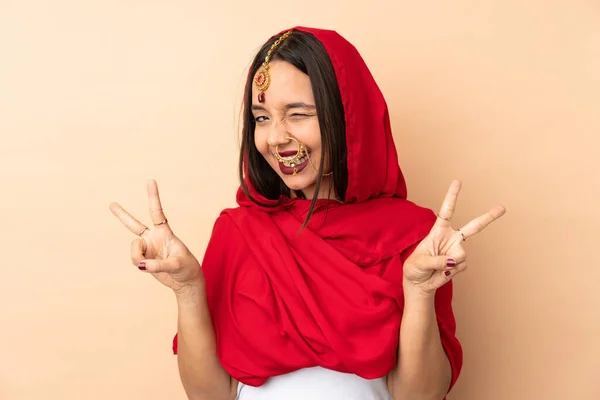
(263, 79)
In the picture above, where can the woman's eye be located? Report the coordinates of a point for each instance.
(260, 119)
(299, 115)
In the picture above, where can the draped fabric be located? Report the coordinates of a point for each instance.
(330, 295)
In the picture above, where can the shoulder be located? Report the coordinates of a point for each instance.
(227, 240)
(234, 221)
(224, 224)
(236, 216)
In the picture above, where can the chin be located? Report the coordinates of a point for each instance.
(297, 182)
(295, 185)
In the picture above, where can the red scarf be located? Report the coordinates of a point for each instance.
(330, 296)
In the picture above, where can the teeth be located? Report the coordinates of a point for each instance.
(288, 163)
(292, 157)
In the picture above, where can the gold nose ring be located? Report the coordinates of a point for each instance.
(294, 160)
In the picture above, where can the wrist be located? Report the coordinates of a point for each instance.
(191, 292)
(415, 294)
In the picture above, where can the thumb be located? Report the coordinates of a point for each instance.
(433, 263)
(169, 265)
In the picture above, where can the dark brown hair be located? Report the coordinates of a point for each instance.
(306, 53)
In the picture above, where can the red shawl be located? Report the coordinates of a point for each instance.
(330, 296)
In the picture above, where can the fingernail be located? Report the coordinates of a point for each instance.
(447, 273)
(142, 266)
(451, 262)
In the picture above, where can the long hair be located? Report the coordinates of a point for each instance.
(306, 53)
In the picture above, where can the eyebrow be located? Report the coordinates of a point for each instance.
(287, 107)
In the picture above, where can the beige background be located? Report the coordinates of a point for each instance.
(97, 96)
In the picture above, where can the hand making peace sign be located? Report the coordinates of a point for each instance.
(157, 250)
(441, 256)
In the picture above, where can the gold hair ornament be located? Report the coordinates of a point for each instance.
(263, 79)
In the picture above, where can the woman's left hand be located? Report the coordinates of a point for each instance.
(441, 256)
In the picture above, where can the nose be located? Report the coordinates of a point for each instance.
(277, 135)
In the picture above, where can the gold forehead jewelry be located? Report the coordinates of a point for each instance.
(295, 160)
(263, 79)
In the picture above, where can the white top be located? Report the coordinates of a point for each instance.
(316, 384)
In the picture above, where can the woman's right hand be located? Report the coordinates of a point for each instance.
(157, 250)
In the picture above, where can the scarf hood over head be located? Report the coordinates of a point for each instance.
(330, 295)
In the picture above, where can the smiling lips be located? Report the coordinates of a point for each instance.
(289, 168)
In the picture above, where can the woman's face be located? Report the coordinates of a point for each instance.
(289, 110)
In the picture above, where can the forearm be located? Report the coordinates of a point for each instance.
(423, 370)
(202, 375)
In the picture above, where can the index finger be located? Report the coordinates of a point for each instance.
(156, 212)
(449, 205)
(127, 219)
(480, 223)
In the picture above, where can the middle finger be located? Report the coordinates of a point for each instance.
(156, 211)
(449, 204)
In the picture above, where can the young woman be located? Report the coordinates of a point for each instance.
(325, 282)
